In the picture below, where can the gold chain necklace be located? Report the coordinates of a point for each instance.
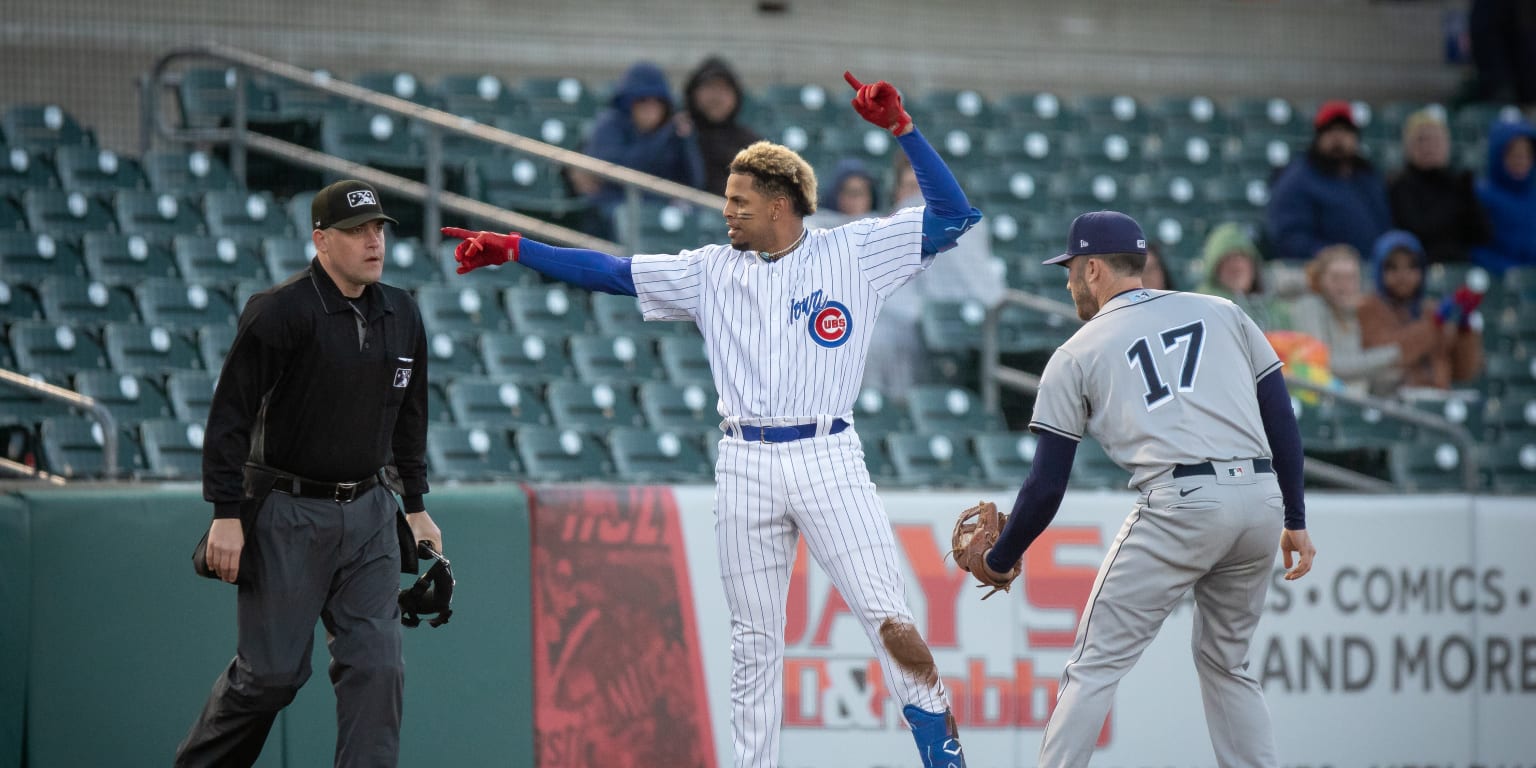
(775, 256)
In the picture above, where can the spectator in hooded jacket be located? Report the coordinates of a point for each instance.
(1329, 195)
(1509, 196)
(714, 97)
(639, 130)
(1436, 339)
(1232, 271)
(1433, 200)
(850, 196)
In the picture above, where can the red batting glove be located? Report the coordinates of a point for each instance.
(880, 103)
(483, 249)
(1467, 299)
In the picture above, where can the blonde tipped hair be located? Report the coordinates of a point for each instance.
(777, 171)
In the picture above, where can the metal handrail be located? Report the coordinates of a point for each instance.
(995, 375)
(75, 400)
(154, 120)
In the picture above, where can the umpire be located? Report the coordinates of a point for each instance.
(325, 384)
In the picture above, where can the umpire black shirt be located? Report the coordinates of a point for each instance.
(303, 391)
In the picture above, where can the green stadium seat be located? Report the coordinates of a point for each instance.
(463, 453)
(481, 96)
(525, 357)
(54, 350)
(614, 359)
(297, 207)
(460, 309)
(437, 404)
(1189, 153)
(527, 184)
(552, 455)
(938, 410)
(952, 325)
(1510, 463)
(183, 172)
(685, 408)
(65, 214)
(42, 127)
(1108, 150)
(496, 403)
(218, 261)
(301, 102)
(594, 407)
(1241, 191)
(11, 216)
(183, 306)
(1195, 113)
(663, 227)
(1092, 468)
(284, 256)
(1119, 112)
(1038, 149)
(376, 139)
(88, 303)
(408, 264)
(875, 146)
(243, 290)
(876, 415)
(130, 398)
(73, 445)
(658, 456)
(22, 169)
(173, 449)
(399, 84)
(932, 460)
(149, 350)
(1165, 189)
(548, 309)
(191, 393)
(955, 106)
(1036, 110)
(616, 314)
(1426, 465)
(876, 459)
(1090, 189)
(17, 302)
(1270, 114)
(213, 343)
(27, 259)
(206, 96)
(157, 215)
(685, 360)
(453, 355)
(1005, 457)
(800, 104)
(246, 215)
(554, 95)
(97, 171)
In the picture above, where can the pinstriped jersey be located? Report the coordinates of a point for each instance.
(787, 339)
(1160, 378)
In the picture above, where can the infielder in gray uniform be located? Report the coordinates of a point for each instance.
(1183, 391)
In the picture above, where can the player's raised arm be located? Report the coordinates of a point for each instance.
(948, 214)
(592, 270)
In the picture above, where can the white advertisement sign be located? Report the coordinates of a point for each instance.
(1411, 643)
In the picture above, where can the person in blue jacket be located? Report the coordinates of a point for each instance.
(1508, 195)
(1329, 195)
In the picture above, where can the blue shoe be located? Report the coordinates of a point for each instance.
(938, 741)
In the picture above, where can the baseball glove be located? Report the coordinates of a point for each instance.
(975, 532)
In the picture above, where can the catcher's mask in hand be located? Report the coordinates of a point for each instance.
(432, 593)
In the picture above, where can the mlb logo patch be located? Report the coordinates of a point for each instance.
(402, 378)
(1234, 472)
(361, 197)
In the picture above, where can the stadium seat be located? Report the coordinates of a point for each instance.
(97, 171)
(875, 415)
(1426, 465)
(206, 96)
(131, 398)
(1369, 428)
(685, 408)
(399, 84)
(481, 96)
(149, 350)
(460, 309)
(1092, 468)
(685, 360)
(955, 106)
(92, 304)
(1118, 112)
(875, 146)
(125, 260)
(183, 306)
(1510, 463)
(951, 411)
(11, 217)
(658, 456)
(932, 460)
(1005, 457)
(218, 261)
(375, 139)
(548, 309)
(1181, 113)
(1036, 150)
(437, 404)
(65, 214)
(563, 96)
(73, 448)
(876, 459)
(662, 227)
(594, 407)
(615, 359)
(492, 277)
(191, 393)
(53, 350)
(17, 302)
(157, 215)
(243, 290)
(283, 256)
(244, 215)
(524, 357)
(1028, 110)
(183, 172)
(408, 265)
(452, 355)
(803, 105)
(1088, 189)
(616, 314)
(213, 343)
(952, 326)
(173, 449)
(553, 454)
(527, 184)
(1271, 114)
(27, 259)
(42, 127)
(496, 403)
(22, 169)
(470, 453)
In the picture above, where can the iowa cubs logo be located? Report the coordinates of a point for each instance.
(831, 325)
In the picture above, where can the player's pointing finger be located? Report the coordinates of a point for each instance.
(853, 81)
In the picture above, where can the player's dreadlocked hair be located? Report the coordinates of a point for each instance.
(776, 170)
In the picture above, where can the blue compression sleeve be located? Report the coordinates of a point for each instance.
(580, 267)
(1037, 502)
(1284, 446)
(948, 214)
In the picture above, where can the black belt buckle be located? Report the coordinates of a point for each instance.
(350, 492)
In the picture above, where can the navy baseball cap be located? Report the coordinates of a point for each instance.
(1100, 232)
(346, 204)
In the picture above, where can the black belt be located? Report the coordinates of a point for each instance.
(1192, 470)
(786, 434)
(341, 493)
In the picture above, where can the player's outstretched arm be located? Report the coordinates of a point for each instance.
(1284, 438)
(592, 270)
(1038, 501)
(947, 213)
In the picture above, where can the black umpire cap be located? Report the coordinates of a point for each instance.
(346, 204)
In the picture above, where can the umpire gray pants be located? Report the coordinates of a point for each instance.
(1217, 535)
(312, 558)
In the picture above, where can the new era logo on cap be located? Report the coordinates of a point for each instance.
(1101, 232)
(361, 197)
(1082, 243)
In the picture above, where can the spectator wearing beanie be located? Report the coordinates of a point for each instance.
(1329, 195)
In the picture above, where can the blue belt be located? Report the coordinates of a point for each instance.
(1261, 466)
(786, 434)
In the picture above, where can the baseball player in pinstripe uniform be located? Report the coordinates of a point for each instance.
(1184, 392)
(786, 315)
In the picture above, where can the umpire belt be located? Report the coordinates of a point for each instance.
(1262, 466)
(787, 434)
(341, 493)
